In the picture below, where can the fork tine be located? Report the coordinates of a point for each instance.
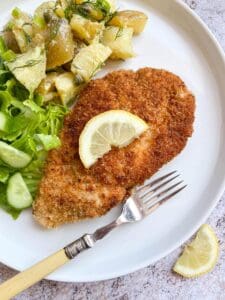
(157, 196)
(152, 191)
(151, 184)
(163, 200)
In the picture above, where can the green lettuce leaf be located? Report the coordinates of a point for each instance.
(49, 141)
(33, 173)
(4, 175)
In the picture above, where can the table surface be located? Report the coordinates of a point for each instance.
(156, 281)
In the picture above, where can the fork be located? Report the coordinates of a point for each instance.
(143, 201)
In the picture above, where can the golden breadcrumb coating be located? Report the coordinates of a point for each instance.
(68, 192)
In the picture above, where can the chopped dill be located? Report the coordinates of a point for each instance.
(27, 37)
(99, 66)
(119, 33)
(104, 6)
(110, 17)
(79, 79)
(70, 9)
(88, 9)
(29, 64)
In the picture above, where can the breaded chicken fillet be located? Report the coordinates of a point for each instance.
(68, 192)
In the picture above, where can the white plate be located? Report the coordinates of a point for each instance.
(175, 39)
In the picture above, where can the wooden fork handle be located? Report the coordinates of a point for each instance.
(27, 278)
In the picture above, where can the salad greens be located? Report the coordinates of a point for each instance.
(27, 126)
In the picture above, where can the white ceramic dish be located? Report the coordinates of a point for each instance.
(175, 39)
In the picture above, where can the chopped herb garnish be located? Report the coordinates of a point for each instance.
(79, 79)
(119, 33)
(27, 38)
(85, 9)
(104, 6)
(99, 66)
(30, 63)
(110, 17)
(90, 9)
(70, 10)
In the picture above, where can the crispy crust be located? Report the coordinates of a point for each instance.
(69, 192)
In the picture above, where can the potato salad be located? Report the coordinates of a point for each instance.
(65, 43)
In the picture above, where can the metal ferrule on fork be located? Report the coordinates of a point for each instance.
(78, 246)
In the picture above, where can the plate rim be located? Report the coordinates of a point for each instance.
(217, 198)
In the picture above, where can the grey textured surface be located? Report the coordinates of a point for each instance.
(157, 281)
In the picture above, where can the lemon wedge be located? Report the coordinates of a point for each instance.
(114, 128)
(200, 256)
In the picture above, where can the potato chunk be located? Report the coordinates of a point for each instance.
(41, 9)
(29, 68)
(66, 87)
(47, 87)
(60, 47)
(23, 40)
(130, 18)
(85, 29)
(10, 41)
(119, 40)
(21, 28)
(89, 60)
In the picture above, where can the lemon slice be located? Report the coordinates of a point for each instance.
(200, 256)
(116, 128)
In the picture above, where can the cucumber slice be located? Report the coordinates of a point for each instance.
(18, 195)
(13, 157)
(3, 121)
